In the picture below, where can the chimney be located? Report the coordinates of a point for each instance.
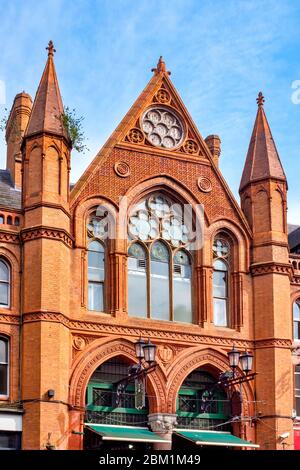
(213, 142)
(15, 129)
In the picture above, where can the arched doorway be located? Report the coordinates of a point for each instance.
(202, 403)
(116, 421)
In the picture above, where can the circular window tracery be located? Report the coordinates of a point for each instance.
(163, 127)
(157, 217)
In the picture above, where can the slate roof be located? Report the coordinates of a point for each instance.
(294, 236)
(10, 197)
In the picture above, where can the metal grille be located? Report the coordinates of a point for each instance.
(99, 417)
(200, 423)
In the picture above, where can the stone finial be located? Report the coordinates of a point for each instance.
(50, 49)
(260, 99)
(161, 67)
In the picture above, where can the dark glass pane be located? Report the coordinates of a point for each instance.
(96, 296)
(159, 252)
(182, 295)
(181, 257)
(9, 220)
(220, 284)
(4, 291)
(160, 290)
(3, 379)
(220, 312)
(3, 350)
(10, 440)
(297, 383)
(137, 251)
(4, 271)
(298, 406)
(137, 289)
(17, 221)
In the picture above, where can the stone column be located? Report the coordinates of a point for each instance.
(163, 425)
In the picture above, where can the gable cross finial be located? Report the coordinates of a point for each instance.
(50, 49)
(161, 67)
(260, 99)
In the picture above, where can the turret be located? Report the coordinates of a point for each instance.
(15, 129)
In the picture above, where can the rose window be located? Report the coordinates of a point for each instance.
(174, 231)
(97, 227)
(220, 248)
(162, 127)
(144, 226)
(156, 217)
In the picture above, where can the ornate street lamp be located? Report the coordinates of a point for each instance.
(145, 353)
(149, 350)
(234, 358)
(246, 362)
(139, 349)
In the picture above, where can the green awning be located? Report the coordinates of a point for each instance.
(213, 438)
(125, 433)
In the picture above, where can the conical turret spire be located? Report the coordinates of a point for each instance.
(262, 161)
(48, 107)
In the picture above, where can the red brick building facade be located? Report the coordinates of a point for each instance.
(85, 272)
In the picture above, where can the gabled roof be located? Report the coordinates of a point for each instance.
(160, 81)
(48, 106)
(262, 161)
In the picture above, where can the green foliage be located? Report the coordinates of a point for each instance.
(74, 128)
(3, 120)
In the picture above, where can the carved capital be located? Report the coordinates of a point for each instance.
(162, 423)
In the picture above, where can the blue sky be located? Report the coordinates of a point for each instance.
(221, 54)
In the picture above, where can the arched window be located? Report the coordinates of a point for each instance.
(96, 276)
(4, 363)
(1, 219)
(182, 285)
(160, 285)
(17, 221)
(4, 284)
(97, 233)
(159, 264)
(296, 319)
(9, 220)
(221, 253)
(137, 281)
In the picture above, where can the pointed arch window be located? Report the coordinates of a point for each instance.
(4, 284)
(182, 287)
(137, 280)
(160, 284)
(159, 263)
(296, 319)
(221, 254)
(96, 276)
(4, 365)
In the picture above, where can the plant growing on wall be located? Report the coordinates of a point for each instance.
(74, 128)
(3, 120)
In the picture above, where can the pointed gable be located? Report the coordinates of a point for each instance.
(159, 92)
(48, 106)
(129, 155)
(262, 161)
